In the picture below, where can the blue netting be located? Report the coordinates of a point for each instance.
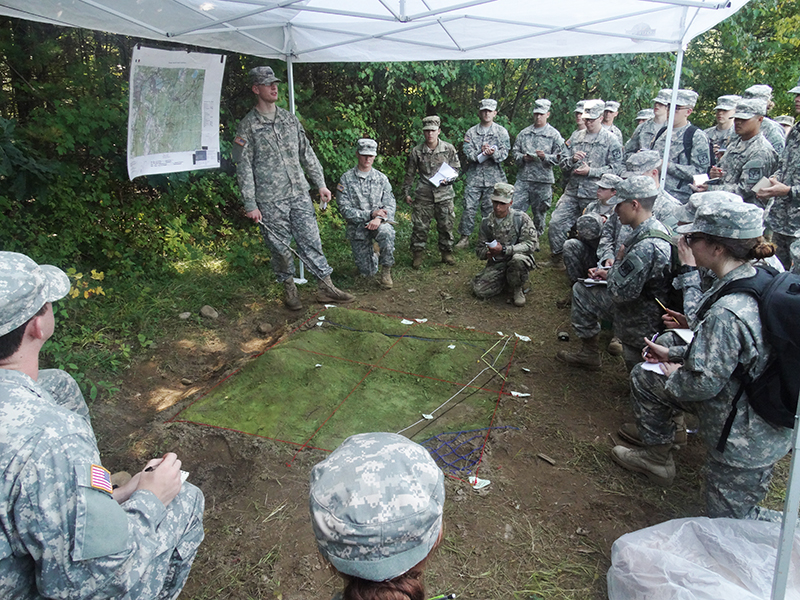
(457, 452)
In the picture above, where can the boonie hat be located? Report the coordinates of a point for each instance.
(611, 105)
(542, 106)
(593, 109)
(367, 147)
(637, 187)
(488, 104)
(262, 76)
(747, 108)
(726, 219)
(645, 113)
(503, 192)
(727, 102)
(25, 287)
(431, 123)
(758, 91)
(609, 181)
(686, 213)
(376, 505)
(642, 162)
(795, 89)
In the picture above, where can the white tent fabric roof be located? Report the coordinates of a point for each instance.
(394, 30)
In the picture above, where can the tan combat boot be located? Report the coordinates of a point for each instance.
(448, 258)
(519, 296)
(615, 347)
(629, 432)
(654, 461)
(463, 243)
(418, 257)
(556, 262)
(327, 292)
(588, 358)
(290, 298)
(386, 278)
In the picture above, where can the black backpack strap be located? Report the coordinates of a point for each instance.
(657, 135)
(744, 380)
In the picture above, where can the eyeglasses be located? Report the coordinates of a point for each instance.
(693, 237)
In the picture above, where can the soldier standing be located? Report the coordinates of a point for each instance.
(774, 133)
(643, 135)
(609, 114)
(486, 146)
(720, 134)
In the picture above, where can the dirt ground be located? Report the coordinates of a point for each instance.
(544, 526)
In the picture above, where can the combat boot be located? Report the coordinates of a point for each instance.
(448, 259)
(418, 257)
(519, 296)
(654, 461)
(615, 347)
(629, 432)
(463, 243)
(327, 292)
(556, 262)
(588, 358)
(386, 278)
(290, 298)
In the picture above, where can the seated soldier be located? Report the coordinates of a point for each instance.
(507, 240)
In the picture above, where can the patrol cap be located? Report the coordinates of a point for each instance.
(795, 89)
(367, 147)
(376, 505)
(503, 192)
(727, 102)
(431, 123)
(25, 287)
(542, 106)
(262, 76)
(609, 181)
(637, 187)
(784, 120)
(641, 162)
(589, 226)
(488, 104)
(686, 213)
(593, 109)
(758, 91)
(612, 105)
(726, 219)
(645, 113)
(686, 98)
(747, 108)
(579, 105)
(664, 96)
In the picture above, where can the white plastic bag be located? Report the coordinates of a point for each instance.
(700, 559)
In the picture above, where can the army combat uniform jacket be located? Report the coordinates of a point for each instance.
(359, 194)
(490, 171)
(426, 162)
(744, 164)
(548, 140)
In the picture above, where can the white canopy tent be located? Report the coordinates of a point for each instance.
(413, 30)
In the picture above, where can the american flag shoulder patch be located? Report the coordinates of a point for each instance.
(100, 479)
(340, 187)
(240, 140)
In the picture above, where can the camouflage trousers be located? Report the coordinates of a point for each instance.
(474, 197)
(794, 252)
(579, 257)
(732, 492)
(536, 195)
(293, 218)
(497, 275)
(364, 253)
(568, 209)
(783, 250)
(423, 210)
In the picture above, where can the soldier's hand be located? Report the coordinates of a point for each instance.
(703, 187)
(685, 255)
(162, 477)
(672, 319)
(409, 200)
(528, 158)
(255, 215)
(582, 170)
(540, 154)
(776, 189)
(715, 172)
(374, 223)
(621, 252)
(324, 194)
(578, 156)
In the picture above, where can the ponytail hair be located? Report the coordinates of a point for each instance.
(407, 586)
(749, 249)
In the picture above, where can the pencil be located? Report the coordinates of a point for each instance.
(661, 304)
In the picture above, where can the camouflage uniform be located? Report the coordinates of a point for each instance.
(580, 252)
(744, 164)
(729, 334)
(795, 255)
(534, 185)
(604, 155)
(642, 138)
(481, 177)
(270, 157)
(720, 137)
(774, 133)
(783, 212)
(429, 201)
(358, 195)
(615, 131)
(682, 169)
(634, 282)
(517, 234)
(376, 505)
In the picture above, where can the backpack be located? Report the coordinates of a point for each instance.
(773, 395)
(674, 299)
(688, 144)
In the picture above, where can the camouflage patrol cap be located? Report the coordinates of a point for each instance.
(795, 89)
(579, 106)
(376, 505)
(25, 287)
(727, 102)
(488, 104)
(542, 106)
(503, 192)
(431, 123)
(262, 76)
(589, 226)
(664, 96)
(641, 162)
(758, 91)
(609, 181)
(611, 105)
(784, 120)
(747, 108)
(726, 219)
(686, 98)
(367, 147)
(637, 187)
(686, 213)
(645, 114)
(593, 109)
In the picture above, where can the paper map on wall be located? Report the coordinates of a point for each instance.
(173, 118)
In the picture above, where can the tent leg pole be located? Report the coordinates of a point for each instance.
(290, 84)
(676, 82)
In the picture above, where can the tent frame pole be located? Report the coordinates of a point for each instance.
(676, 82)
(290, 84)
